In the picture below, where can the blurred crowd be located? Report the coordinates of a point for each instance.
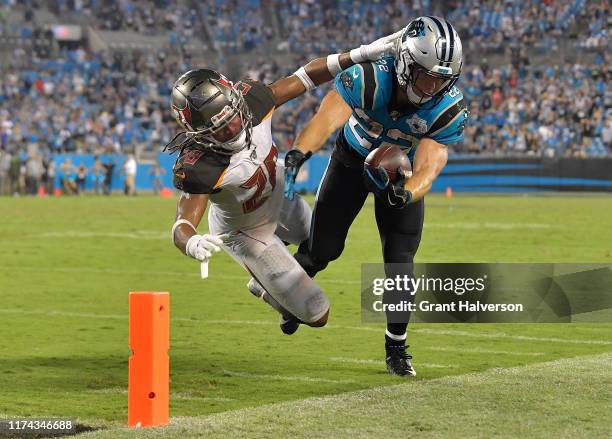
(236, 25)
(490, 25)
(87, 102)
(560, 110)
(342, 24)
(117, 103)
(90, 103)
(243, 25)
(510, 24)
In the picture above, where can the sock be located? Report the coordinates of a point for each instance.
(395, 335)
(266, 297)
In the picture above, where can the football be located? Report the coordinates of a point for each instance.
(390, 157)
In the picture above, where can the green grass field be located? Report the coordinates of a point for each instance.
(67, 265)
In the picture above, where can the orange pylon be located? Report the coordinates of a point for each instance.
(149, 365)
(166, 193)
(449, 192)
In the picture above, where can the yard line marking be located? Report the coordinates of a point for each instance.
(189, 273)
(142, 234)
(53, 313)
(173, 395)
(494, 226)
(450, 332)
(480, 351)
(189, 397)
(381, 362)
(358, 328)
(285, 377)
(163, 234)
(240, 322)
(507, 336)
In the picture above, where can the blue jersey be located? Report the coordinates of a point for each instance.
(368, 89)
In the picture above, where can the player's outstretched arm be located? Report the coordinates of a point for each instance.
(189, 212)
(430, 159)
(322, 70)
(332, 114)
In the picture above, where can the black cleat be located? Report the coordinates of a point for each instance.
(289, 324)
(398, 361)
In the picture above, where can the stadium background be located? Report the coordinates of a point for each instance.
(87, 79)
(536, 76)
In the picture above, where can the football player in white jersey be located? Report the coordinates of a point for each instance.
(227, 158)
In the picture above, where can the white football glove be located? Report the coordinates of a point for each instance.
(375, 50)
(202, 247)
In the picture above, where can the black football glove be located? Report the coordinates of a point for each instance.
(294, 159)
(380, 184)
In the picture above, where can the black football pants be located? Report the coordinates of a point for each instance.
(340, 197)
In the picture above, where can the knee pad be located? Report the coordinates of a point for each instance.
(290, 285)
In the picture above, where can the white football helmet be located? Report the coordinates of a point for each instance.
(429, 58)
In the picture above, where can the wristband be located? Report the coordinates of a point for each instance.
(178, 223)
(333, 64)
(306, 81)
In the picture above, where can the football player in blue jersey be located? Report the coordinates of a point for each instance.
(410, 100)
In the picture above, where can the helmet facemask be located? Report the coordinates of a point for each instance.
(230, 129)
(425, 85)
(420, 84)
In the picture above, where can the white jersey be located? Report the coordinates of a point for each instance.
(250, 189)
(245, 188)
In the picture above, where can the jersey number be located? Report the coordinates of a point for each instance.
(259, 179)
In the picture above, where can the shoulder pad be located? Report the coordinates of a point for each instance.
(259, 98)
(365, 85)
(384, 70)
(448, 126)
(450, 109)
(197, 171)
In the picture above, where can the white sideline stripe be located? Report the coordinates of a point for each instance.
(481, 351)
(285, 377)
(379, 362)
(142, 234)
(240, 322)
(459, 333)
(508, 336)
(495, 226)
(52, 313)
(451, 332)
(163, 234)
(173, 395)
(191, 273)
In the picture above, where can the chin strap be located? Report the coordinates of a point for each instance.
(414, 98)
